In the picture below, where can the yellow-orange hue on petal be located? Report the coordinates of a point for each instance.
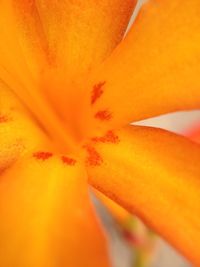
(20, 68)
(18, 134)
(46, 217)
(82, 33)
(74, 34)
(55, 44)
(156, 68)
(156, 175)
(22, 55)
(119, 213)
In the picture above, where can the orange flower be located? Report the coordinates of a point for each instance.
(65, 101)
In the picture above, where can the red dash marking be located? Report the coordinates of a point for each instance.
(42, 155)
(68, 161)
(97, 92)
(94, 158)
(103, 115)
(4, 118)
(109, 137)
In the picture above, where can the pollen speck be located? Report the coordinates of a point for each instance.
(4, 118)
(109, 137)
(68, 161)
(97, 92)
(42, 155)
(94, 158)
(103, 115)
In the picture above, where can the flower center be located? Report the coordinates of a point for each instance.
(60, 108)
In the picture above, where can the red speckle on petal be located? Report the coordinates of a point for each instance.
(103, 115)
(94, 158)
(42, 155)
(68, 161)
(97, 92)
(4, 118)
(109, 137)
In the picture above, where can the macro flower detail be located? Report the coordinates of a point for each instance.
(194, 133)
(70, 85)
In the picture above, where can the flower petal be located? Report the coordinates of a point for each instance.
(91, 29)
(46, 217)
(156, 175)
(22, 54)
(18, 134)
(48, 47)
(120, 214)
(78, 34)
(155, 70)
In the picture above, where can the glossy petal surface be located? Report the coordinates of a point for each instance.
(46, 218)
(156, 175)
(155, 70)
